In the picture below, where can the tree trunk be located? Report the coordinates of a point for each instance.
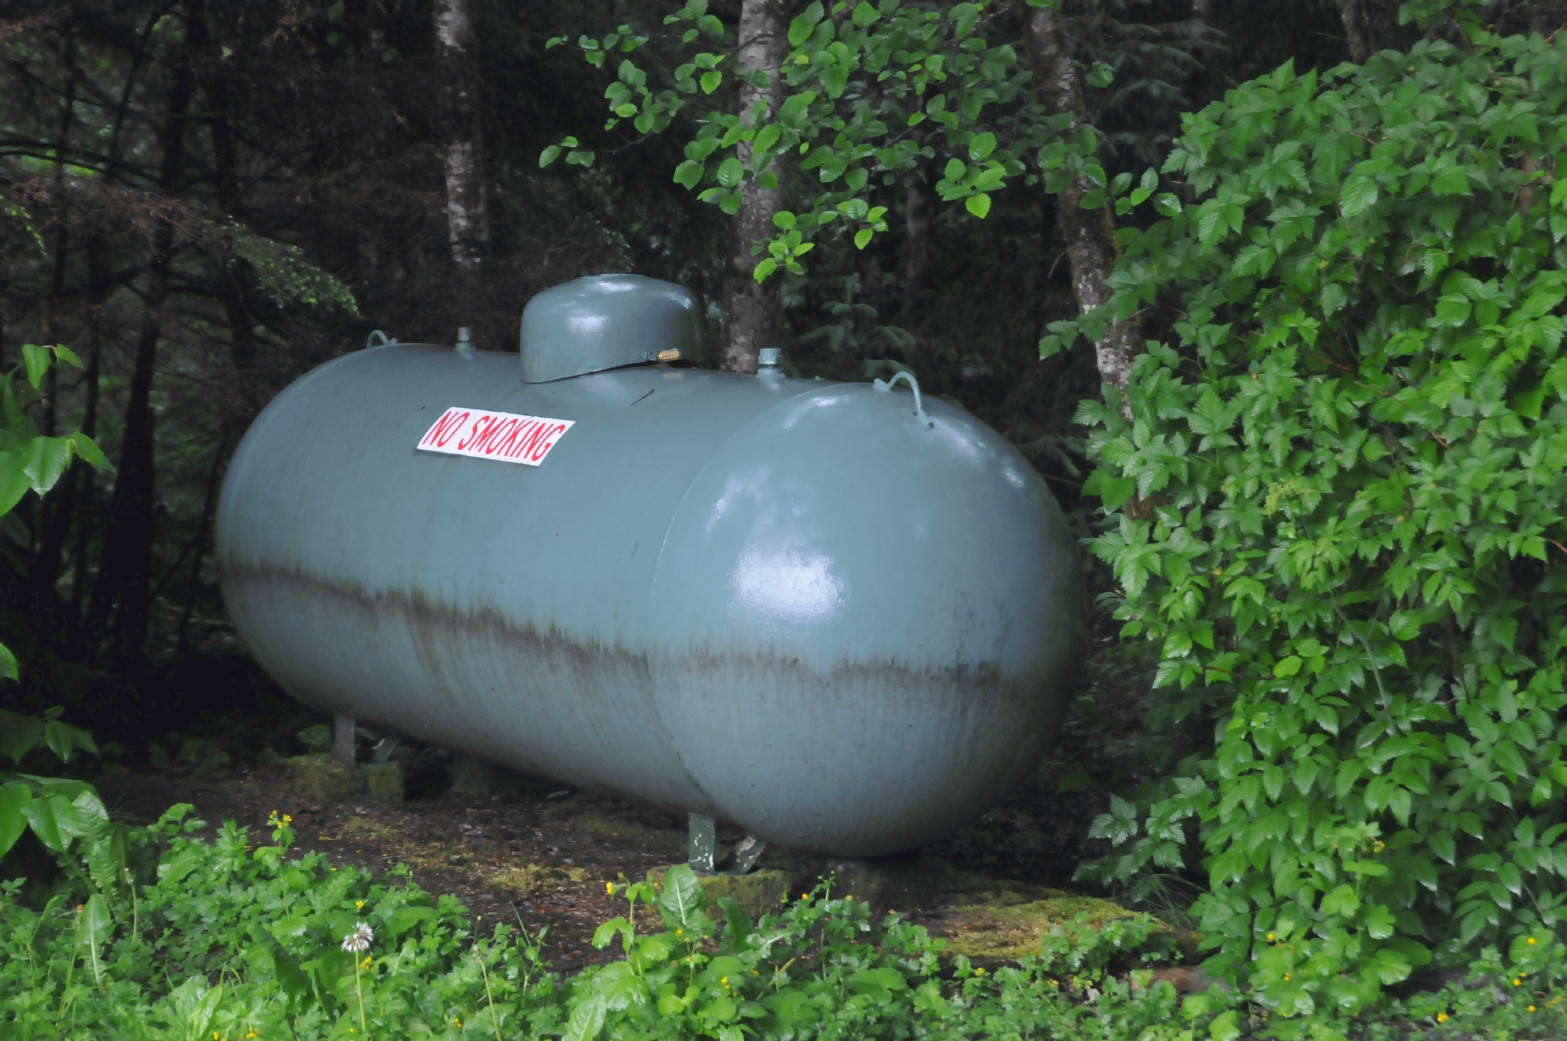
(124, 579)
(467, 223)
(1354, 17)
(751, 308)
(231, 282)
(54, 513)
(1090, 240)
(916, 246)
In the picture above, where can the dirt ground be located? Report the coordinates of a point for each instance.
(542, 857)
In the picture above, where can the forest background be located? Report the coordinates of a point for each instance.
(204, 200)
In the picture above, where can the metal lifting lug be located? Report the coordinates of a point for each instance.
(883, 386)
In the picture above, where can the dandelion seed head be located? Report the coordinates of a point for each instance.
(358, 941)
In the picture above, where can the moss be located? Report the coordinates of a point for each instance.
(383, 782)
(759, 893)
(527, 878)
(1006, 930)
(369, 828)
(323, 780)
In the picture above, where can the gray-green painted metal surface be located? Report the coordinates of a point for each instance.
(791, 605)
(604, 322)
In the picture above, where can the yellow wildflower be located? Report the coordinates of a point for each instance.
(1531, 941)
(1441, 1017)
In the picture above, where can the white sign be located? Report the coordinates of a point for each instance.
(494, 435)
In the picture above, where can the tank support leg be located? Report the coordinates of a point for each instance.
(747, 853)
(343, 739)
(701, 844)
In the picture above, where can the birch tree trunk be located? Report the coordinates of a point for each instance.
(467, 221)
(751, 309)
(1354, 16)
(1090, 240)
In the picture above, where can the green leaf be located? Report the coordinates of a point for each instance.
(1225, 1027)
(1358, 196)
(37, 360)
(978, 205)
(14, 481)
(65, 354)
(767, 266)
(13, 797)
(106, 857)
(1452, 311)
(45, 462)
(682, 899)
(587, 1019)
(711, 80)
(55, 821)
(730, 172)
(981, 146)
(88, 449)
(689, 174)
(862, 238)
(1288, 666)
(1341, 901)
(865, 15)
(1167, 204)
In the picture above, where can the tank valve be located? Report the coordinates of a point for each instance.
(883, 386)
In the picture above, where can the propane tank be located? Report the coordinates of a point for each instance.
(844, 617)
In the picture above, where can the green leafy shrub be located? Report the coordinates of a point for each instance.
(231, 940)
(1337, 506)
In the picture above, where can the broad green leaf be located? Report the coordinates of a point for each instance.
(978, 205)
(7, 664)
(106, 857)
(730, 172)
(689, 174)
(13, 797)
(88, 449)
(587, 1019)
(1225, 1026)
(36, 359)
(1358, 196)
(1342, 901)
(682, 899)
(711, 80)
(55, 821)
(45, 462)
(14, 482)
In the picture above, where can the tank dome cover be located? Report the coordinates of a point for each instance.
(604, 322)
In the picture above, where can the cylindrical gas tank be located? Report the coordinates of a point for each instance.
(838, 620)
